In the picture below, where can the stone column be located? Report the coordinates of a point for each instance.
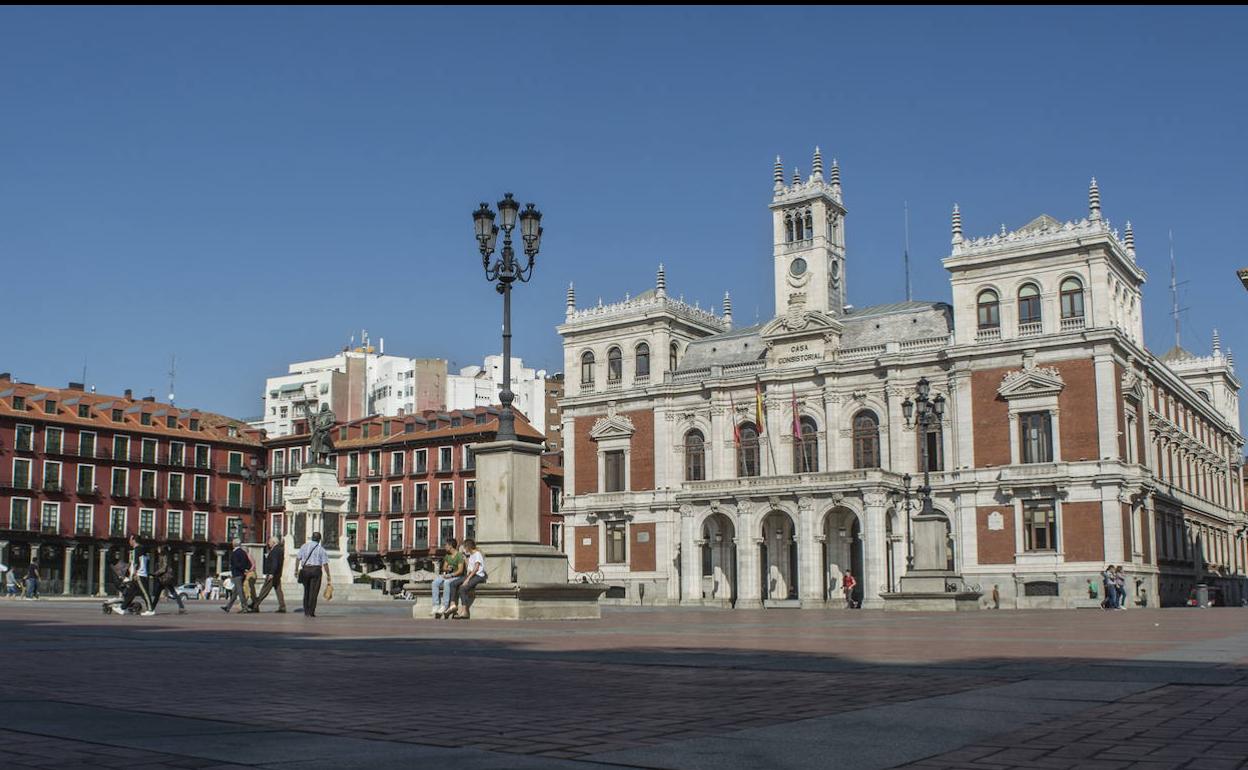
(1106, 408)
(68, 572)
(873, 551)
(809, 556)
(219, 556)
(101, 586)
(749, 575)
(187, 557)
(90, 570)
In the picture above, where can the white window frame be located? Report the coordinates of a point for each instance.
(181, 444)
(1021, 554)
(47, 432)
(615, 444)
(442, 485)
(402, 535)
(415, 526)
(172, 516)
(12, 505)
(90, 520)
(17, 431)
(465, 454)
(126, 474)
(276, 522)
(1019, 405)
(473, 484)
(207, 488)
(470, 524)
(229, 460)
(390, 499)
(416, 460)
(278, 460)
(374, 470)
(371, 489)
(353, 459)
(155, 482)
(78, 480)
(229, 488)
(151, 512)
(44, 506)
(125, 519)
(556, 535)
(169, 485)
(401, 458)
(416, 496)
(43, 478)
(556, 499)
(155, 450)
(195, 458)
(30, 471)
(123, 455)
(441, 538)
(450, 466)
(82, 437)
(195, 519)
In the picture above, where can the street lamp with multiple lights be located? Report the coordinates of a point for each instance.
(505, 271)
(925, 412)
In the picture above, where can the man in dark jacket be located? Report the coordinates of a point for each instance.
(243, 570)
(273, 575)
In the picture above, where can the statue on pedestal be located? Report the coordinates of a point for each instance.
(321, 426)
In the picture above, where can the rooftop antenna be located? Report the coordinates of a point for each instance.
(906, 253)
(173, 375)
(1175, 310)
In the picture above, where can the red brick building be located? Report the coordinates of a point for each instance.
(79, 472)
(411, 482)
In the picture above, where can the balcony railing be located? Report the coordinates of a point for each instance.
(446, 505)
(1072, 324)
(199, 537)
(50, 529)
(120, 493)
(988, 334)
(421, 507)
(396, 544)
(1030, 329)
(148, 493)
(18, 483)
(88, 489)
(52, 486)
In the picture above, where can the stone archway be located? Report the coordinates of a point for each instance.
(842, 552)
(718, 559)
(778, 556)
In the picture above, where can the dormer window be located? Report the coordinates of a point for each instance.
(19, 404)
(145, 418)
(49, 406)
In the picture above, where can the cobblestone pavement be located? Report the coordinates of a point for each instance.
(362, 685)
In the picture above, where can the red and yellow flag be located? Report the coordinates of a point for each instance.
(759, 416)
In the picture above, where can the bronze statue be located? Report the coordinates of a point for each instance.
(321, 426)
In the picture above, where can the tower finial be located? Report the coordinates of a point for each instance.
(660, 282)
(816, 166)
(1094, 201)
(1217, 343)
(957, 224)
(1128, 239)
(778, 173)
(571, 299)
(727, 309)
(797, 178)
(834, 179)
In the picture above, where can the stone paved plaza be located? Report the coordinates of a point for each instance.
(365, 686)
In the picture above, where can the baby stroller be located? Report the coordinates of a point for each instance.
(117, 604)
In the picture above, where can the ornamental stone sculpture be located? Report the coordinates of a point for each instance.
(320, 426)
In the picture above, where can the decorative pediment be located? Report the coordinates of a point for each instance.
(1132, 385)
(612, 426)
(800, 324)
(1032, 381)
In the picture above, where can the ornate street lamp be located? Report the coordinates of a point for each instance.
(925, 412)
(505, 271)
(254, 477)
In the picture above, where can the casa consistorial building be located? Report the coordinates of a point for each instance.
(712, 464)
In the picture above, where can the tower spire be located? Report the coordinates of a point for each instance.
(571, 299)
(835, 180)
(660, 282)
(1217, 343)
(797, 178)
(1128, 240)
(957, 225)
(816, 166)
(1094, 201)
(778, 173)
(727, 309)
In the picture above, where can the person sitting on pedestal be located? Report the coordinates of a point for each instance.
(446, 584)
(476, 576)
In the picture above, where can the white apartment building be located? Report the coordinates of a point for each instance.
(479, 386)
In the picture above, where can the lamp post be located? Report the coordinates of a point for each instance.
(255, 478)
(925, 412)
(505, 271)
(905, 480)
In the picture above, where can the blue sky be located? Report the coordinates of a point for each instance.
(248, 187)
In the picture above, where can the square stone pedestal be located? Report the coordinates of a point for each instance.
(925, 591)
(526, 580)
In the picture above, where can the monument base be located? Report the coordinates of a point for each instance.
(532, 601)
(932, 602)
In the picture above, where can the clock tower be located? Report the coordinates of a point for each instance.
(808, 222)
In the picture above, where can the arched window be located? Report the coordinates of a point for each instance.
(615, 365)
(747, 450)
(642, 369)
(989, 309)
(798, 232)
(671, 357)
(587, 368)
(1072, 298)
(806, 447)
(788, 228)
(866, 440)
(810, 227)
(695, 456)
(1028, 304)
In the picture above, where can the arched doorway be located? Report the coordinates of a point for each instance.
(842, 552)
(718, 559)
(778, 557)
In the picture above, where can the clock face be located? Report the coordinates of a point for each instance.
(797, 267)
(836, 269)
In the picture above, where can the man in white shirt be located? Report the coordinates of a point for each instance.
(476, 576)
(311, 564)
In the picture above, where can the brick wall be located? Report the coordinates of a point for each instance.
(1080, 437)
(1126, 533)
(641, 549)
(1083, 535)
(990, 422)
(995, 547)
(641, 455)
(585, 549)
(586, 457)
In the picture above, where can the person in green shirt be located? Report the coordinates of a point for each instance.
(446, 584)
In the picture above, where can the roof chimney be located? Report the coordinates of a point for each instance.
(5, 376)
(150, 399)
(129, 394)
(76, 386)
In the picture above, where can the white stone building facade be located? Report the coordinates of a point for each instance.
(1064, 445)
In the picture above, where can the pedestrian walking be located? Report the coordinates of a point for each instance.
(996, 596)
(1107, 580)
(164, 579)
(241, 565)
(32, 579)
(10, 582)
(848, 584)
(273, 562)
(137, 572)
(312, 565)
(1120, 587)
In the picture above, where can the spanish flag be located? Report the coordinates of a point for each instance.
(759, 416)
